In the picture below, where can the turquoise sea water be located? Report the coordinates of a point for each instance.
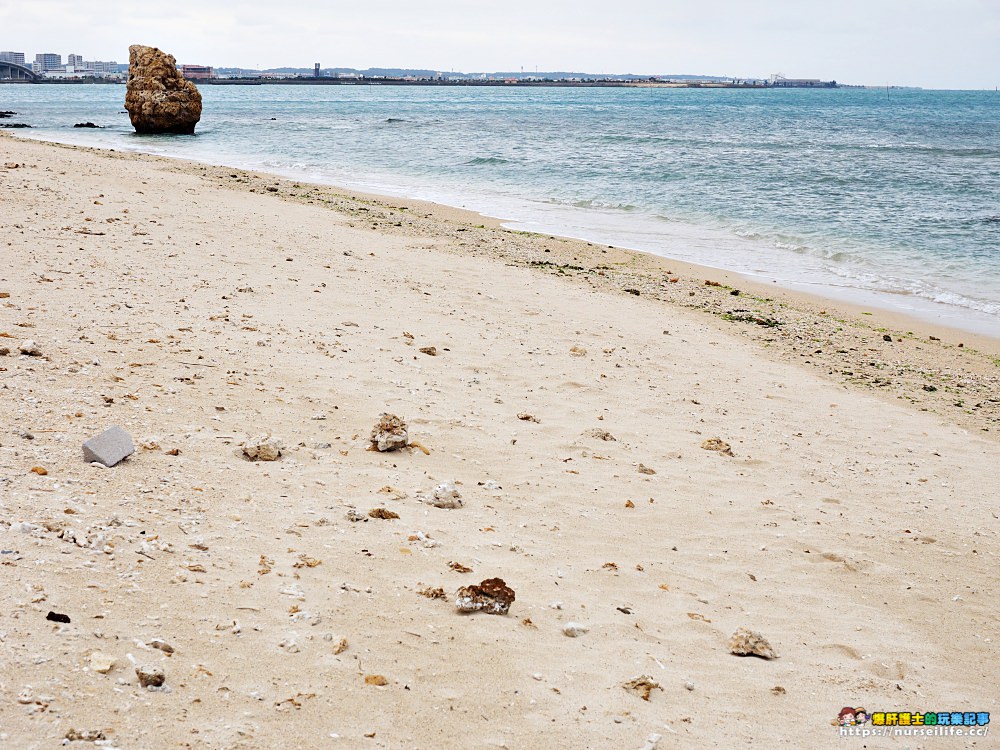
(889, 198)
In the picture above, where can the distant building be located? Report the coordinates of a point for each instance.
(75, 61)
(101, 67)
(196, 72)
(12, 57)
(45, 61)
(779, 81)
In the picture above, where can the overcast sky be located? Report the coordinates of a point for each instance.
(930, 43)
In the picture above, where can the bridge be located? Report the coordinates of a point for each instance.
(13, 72)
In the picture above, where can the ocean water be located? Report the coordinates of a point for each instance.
(888, 198)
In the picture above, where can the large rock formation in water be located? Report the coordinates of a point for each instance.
(157, 98)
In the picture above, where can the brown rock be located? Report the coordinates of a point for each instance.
(158, 99)
(150, 676)
(718, 445)
(90, 735)
(389, 434)
(492, 596)
(643, 686)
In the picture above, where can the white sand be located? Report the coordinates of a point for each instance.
(858, 536)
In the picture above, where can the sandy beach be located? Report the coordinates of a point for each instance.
(565, 389)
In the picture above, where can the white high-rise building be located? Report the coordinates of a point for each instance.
(12, 57)
(76, 61)
(48, 61)
(101, 66)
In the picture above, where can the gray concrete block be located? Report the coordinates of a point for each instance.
(108, 448)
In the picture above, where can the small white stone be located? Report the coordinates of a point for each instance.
(575, 629)
(446, 495)
(30, 348)
(101, 663)
(262, 448)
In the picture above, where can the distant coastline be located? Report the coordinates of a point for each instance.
(467, 82)
(564, 82)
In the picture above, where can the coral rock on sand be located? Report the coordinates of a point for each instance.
(262, 448)
(389, 434)
(492, 596)
(30, 348)
(600, 434)
(158, 99)
(642, 686)
(748, 643)
(717, 444)
(102, 663)
(446, 495)
(150, 676)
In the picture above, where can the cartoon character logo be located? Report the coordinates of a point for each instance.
(860, 716)
(846, 717)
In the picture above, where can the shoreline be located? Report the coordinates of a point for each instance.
(950, 371)
(645, 474)
(930, 312)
